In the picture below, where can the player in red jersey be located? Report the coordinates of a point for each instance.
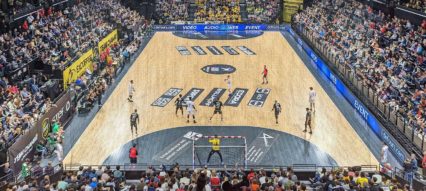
(265, 75)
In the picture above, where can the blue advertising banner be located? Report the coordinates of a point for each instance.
(217, 27)
(383, 134)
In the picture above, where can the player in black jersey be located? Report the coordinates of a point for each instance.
(217, 104)
(308, 120)
(179, 104)
(134, 120)
(277, 109)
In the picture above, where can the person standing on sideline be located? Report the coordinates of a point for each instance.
(264, 75)
(384, 154)
(131, 91)
(229, 83)
(312, 97)
(190, 108)
(133, 154)
(179, 104)
(134, 120)
(277, 109)
(410, 167)
(308, 120)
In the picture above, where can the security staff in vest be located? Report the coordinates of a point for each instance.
(215, 141)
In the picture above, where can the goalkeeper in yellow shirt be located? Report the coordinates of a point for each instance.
(215, 148)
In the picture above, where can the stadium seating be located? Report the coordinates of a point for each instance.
(386, 54)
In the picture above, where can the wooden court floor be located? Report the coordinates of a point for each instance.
(160, 67)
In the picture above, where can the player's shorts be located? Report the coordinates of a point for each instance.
(277, 113)
(179, 107)
(308, 122)
(216, 111)
(311, 100)
(191, 112)
(265, 75)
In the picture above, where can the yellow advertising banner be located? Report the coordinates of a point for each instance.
(78, 68)
(106, 42)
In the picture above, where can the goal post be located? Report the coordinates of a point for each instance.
(232, 148)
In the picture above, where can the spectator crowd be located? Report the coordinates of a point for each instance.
(263, 11)
(419, 5)
(175, 179)
(172, 10)
(218, 10)
(387, 54)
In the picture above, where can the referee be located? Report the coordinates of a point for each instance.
(215, 148)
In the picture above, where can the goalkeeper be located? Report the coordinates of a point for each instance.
(215, 148)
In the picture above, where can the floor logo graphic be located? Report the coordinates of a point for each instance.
(230, 50)
(183, 50)
(237, 96)
(246, 50)
(218, 69)
(216, 93)
(199, 50)
(193, 93)
(164, 99)
(214, 50)
(259, 97)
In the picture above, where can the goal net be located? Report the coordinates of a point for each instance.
(232, 148)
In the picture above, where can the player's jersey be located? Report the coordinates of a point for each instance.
(215, 144)
(179, 102)
(265, 72)
(217, 105)
(308, 116)
(312, 95)
(134, 117)
(277, 107)
(229, 82)
(131, 89)
(190, 105)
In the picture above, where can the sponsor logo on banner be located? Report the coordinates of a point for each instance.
(164, 27)
(183, 50)
(230, 50)
(199, 50)
(236, 97)
(24, 147)
(164, 99)
(78, 68)
(259, 97)
(218, 69)
(246, 50)
(110, 39)
(216, 93)
(193, 93)
(214, 50)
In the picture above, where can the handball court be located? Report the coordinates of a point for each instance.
(160, 67)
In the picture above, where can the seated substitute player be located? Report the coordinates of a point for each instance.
(215, 148)
(277, 109)
(217, 109)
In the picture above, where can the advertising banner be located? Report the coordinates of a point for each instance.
(110, 39)
(25, 146)
(78, 68)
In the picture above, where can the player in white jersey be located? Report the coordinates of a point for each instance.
(312, 97)
(131, 91)
(190, 108)
(384, 154)
(229, 83)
